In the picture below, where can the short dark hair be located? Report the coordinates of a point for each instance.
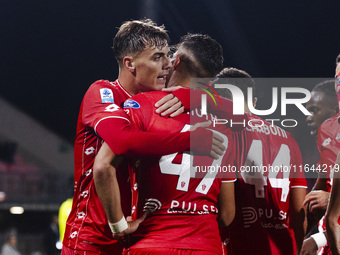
(135, 35)
(327, 87)
(208, 53)
(237, 77)
(337, 60)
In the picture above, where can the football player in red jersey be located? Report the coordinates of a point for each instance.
(270, 187)
(183, 204)
(141, 49)
(322, 105)
(333, 210)
(318, 199)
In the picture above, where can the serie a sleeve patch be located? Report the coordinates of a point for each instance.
(106, 95)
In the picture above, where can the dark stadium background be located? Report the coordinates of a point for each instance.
(51, 51)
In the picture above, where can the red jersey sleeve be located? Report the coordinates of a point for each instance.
(103, 114)
(100, 102)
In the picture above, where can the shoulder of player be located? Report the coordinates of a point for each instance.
(325, 126)
(151, 97)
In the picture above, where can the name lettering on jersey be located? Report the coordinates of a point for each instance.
(190, 207)
(131, 104)
(89, 151)
(106, 95)
(251, 215)
(326, 142)
(265, 129)
(152, 205)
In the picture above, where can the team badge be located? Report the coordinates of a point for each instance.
(131, 104)
(106, 95)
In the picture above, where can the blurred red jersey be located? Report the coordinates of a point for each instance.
(328, 145)
(182, 199)
(270, 164)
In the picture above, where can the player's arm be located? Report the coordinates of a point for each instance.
(333, 213)
(124, 138)
(297, 214)
(113, 125)
(313, 243)
(107, 187)
(226, 203)
(316, 202)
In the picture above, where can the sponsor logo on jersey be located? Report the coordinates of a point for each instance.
(152, 205)
(74, 234)
(80, 215)
(106, 95)
(89, 151)
(326, 142)
(250, 215)
(88, 172)
(131, 104)
(84, 193)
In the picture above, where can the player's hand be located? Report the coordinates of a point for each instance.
(218, 148)
(132, 227)
(317, 199)
(309, 247)
(169, 104)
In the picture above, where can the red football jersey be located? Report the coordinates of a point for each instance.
(328, 145)
(182, 199)
(270, 164)
(87, 222)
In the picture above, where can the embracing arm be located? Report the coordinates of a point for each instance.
(226, 203)
(125, 138)
(107, 187)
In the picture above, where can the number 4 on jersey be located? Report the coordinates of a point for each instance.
(254, 161)
(183, 170)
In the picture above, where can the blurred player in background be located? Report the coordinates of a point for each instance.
(141, 49)
(269, 215)
(322, 105)
(333, 210)
(318, 199)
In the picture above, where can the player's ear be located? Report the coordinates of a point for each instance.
(177, 61)
(254, 101)
(128, 63)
